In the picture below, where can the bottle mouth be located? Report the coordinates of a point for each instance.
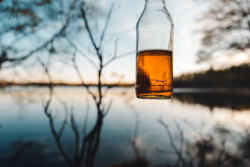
(159, 3)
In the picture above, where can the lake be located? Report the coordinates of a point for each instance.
(197, 127)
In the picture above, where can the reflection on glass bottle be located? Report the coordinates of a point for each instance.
(154, 52)
(143, 78)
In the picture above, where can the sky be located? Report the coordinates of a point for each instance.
(186, 40)
(123, 26)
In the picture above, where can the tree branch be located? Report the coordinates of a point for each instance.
(75, 129)
(84, 55)
(117, 57)
(89, 32)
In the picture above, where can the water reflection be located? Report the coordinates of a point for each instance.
(25, 153)
(62, 127)
(227, 99)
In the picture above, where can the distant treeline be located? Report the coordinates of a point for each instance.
(37, 84)
(236, 76)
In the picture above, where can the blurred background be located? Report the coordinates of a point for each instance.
(67, 76)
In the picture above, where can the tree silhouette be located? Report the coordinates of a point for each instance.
(29, 27)
(86, 142)
(225, 28)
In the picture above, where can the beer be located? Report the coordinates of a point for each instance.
(154, 78)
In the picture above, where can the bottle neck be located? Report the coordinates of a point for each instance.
(155, 3)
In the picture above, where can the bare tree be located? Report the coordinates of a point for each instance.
(225, 28)
(85, 147)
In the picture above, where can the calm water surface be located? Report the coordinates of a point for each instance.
(195, 128)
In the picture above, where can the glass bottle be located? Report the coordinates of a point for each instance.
(154, 59)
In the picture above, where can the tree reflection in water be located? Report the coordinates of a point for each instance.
(220, 146)
(206, 150)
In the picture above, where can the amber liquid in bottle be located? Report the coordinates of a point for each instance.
(154, 78)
